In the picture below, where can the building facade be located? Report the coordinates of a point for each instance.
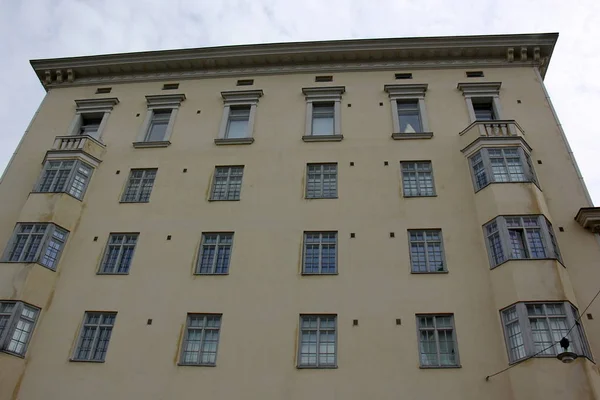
(394, 218)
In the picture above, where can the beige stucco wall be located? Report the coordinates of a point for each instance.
(264, 293)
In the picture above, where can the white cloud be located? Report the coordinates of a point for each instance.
(59, 28)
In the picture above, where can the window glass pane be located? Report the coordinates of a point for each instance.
(202, 338)
(417, 179)
(409, 117)
(479, 172)
(517, 243)
(95, 336)
(323, 119)
(158, 125)
(317, 346)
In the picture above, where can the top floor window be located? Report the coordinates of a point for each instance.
(409, 117)
(157, 127)
(323, 113)
(483, 100)
(483, 109)
(239, 113)
(91, 116)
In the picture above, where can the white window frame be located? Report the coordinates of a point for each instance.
(481, 90)
(437, 340)
(237, 98)
(483, 152)
(318, 365)
(48, 240)
(159, 102)
(577, 339)
(71, 179)
(14, 317)
(326, 94)
(408, 92)
(548, 237)
(92, 106)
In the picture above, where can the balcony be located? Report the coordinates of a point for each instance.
(491, 132)
(89, 148)
(589, 218)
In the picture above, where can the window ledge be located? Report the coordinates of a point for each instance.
(410, 197)
(67, 193)
(226, 141)
(320, 198)
(217, 200)
(505, 183)
(322, 138)
(133, 202)
(112, 273)
(529, 259)
(439, 366)
(196, 365)
(210, 274)
(315, 367)
(320, 274)
(418, 135)
(10, 353)
(143, 145)
(428, 272)
(86, 361)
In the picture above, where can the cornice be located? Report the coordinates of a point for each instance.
(235, 96)
(426, 52)
(93, 104)
(408, 89)
(158, 100)
(470, 88)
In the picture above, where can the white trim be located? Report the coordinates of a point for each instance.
(92, 106)
(324, 94)
(238, 98)
(159, 102)
(408, 91)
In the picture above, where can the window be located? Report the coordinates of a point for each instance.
(91, 115)
(502, 164)
(65, 176)
(483, 108)
(90, 124)
(474, 74)
(170, 86)
(41, 243)
(245, 82)
(139, 186)
(417, 179)
(237, 125)
(536, 328)
(17, 321)
(323, 119)
(239, 113)
(407, 75)
(318, 341)
(320, 253)
(94, 336)
(201, 339)
(520, 237)
(321, 181)
(118, 253)
(103, 90)
(324, 78)
(426, 251)
(437, 341)
(483, 100)
(323, 113)
(157, 127)
(215, 253)
(409, 116)
(227, 183)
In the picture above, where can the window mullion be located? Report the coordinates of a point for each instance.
(437, 341)
(95, 340)
(425, 248)
(317, 358)
(526, 332)
(70, 177)
(27, 244)
(504, 238)
(322, 180)
(202, 337)
(487, 165)
(216, 256)
(320, 252)
(44, 242)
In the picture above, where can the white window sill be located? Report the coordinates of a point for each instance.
(226, 141)
(417, 135)
(323, 138)
(142, 145)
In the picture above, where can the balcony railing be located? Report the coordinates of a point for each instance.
(491, 129)
(80, 143)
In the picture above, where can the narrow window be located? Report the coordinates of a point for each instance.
(474, 74)
(41, 243)
(320, 253)
(417, 179)
(409, 116)
(139, 186)
(170, 86)
(245, 82)
(227, 183)
(318, 347)
(90, 124)
(94, 336)
(201, 339)
(483, 108)
(158, 125)
(17, 321)
(321, 181)
(118, 253)
(426, 251)
(215, 253)
(66, 176)
(237, 124)
(535, 329)
(323, 119)
(104, 90)
(437, 341)
(406, 75)
(324, 78)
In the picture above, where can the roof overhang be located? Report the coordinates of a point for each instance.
(364, 54)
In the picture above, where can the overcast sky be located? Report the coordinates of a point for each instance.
(31, 29)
